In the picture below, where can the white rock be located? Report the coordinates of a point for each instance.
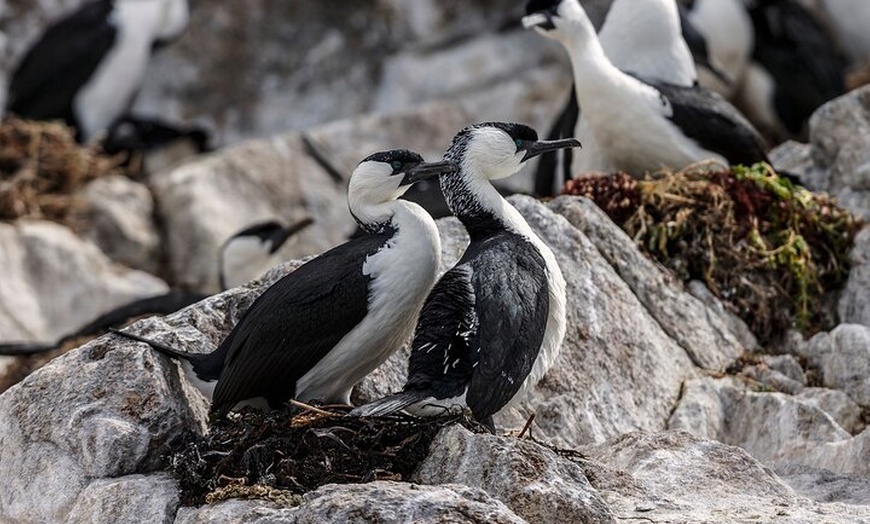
(237, 512)
(122, 222)
(843, 358)
(54, 282)
(854, 305)
(133, 499)
(674, 477)
(98, 411)
(702, 333)
(399, 502)
(772, 427)
(205, 202)
(534, 482)
(836, 404)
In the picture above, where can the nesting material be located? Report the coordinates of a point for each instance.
(42, 168)
(768, 248)
(254, 454)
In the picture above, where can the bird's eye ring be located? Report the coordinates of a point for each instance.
(397, 164)
(519, 142)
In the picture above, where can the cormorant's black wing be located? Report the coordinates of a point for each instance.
(550, 170)
(61, 62)
(800, 55)
(442, 357)
(512, 302)
(293, 324)
(716, 125)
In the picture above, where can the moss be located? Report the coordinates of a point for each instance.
(764, 246)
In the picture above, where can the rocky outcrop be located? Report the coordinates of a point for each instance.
(98, 436)
(55, 282)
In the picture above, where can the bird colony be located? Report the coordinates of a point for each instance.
(662, 84)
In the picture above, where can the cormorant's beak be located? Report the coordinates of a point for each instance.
(285, 233)
(426, 170)
(545, 146)
(542, 19)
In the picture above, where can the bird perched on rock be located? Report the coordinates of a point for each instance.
(642, 124)
(316, 332)
(88, 66)
(641, 37)
(494, 323)
(242, 257)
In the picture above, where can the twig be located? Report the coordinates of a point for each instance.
(310, 407)
(527, 427)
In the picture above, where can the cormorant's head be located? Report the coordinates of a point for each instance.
(497, 149)
(386, 175)
(560, 20)
(248, 253)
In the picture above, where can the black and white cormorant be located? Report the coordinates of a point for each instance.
(648, 38)
(494, 323)
(640, 124)
(88, 66)
(318, 331)
(242, 257)
(796, 67)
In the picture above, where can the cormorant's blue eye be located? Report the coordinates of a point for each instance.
(397, 165)
(519, 142)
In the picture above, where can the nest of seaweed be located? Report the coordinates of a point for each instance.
(280, 455)
(766, 247)
(42, 167)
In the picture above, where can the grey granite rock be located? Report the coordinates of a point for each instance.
(534, 482)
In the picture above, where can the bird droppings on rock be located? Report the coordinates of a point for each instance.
(276, 455)
(758, 241)
(42, 168)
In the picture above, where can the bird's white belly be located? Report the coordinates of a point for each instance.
(637, 138)
(403, 274)
(111, 89)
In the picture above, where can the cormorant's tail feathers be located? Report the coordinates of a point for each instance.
(389, 405)
(166, 350)
(25, 348)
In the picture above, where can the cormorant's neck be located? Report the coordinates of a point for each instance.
(477, 204)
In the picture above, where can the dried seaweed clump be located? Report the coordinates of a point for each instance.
(41, 169)
(768, 248)
(278, 456)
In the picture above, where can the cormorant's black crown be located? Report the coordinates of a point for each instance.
(515, 131)
(400, 159)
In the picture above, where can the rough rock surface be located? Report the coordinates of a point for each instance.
(103, 410)
(54, 282)
(704, 335)
(536, 483)
(402, 502)
(773, 427)
(854, 306)
(674, 477)
(843, 359)
(837, 158)
(132, 499)
(122, 222)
